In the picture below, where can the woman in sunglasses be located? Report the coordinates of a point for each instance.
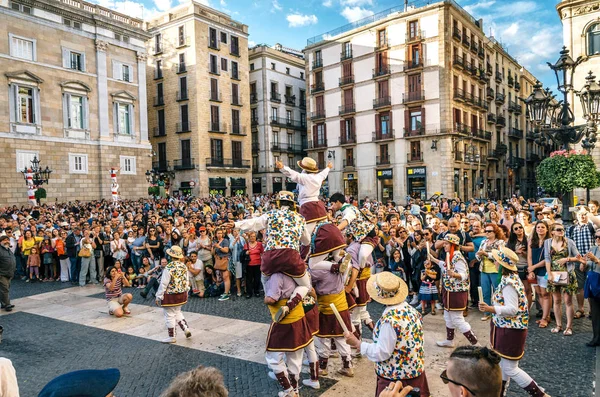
(510, 319)
(518, 243)
(561, 255)
(489, 273)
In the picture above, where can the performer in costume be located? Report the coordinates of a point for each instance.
(114, 188)
(356, 223)
(311, 311)
(30, 186)
(327, 240)
(330, 289)
(455, 291)
(288, 337)
(510, 319)
(173, 293)
(285, 231)
(357, 289)
(397, 347)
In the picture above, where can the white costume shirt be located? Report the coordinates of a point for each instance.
(386, 342)
(309, 184)
(511, 302)
(260, 223)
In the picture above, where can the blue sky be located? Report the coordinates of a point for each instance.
(530, 30)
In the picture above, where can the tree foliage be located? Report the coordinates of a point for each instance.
(40, 193)
(153, 191)
(565, 170)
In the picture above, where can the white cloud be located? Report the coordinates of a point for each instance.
(276, 6)
(482, 5)
(297, 20)
(511, 31)
(356, 3)
(162, 5)
(251, 43)
(223, 3)
(327, 3)
(353, 14)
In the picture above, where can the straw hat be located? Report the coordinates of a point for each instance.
(286, 196)
(175, 252)
(452, 239)
(308, 164)
(387, 288)
(506, 257)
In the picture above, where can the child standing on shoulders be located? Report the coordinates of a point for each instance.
(33, 263)
(48, 259)
(428, 292)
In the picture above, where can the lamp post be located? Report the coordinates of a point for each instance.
(35, 176)
(554, 119)
(160, 178)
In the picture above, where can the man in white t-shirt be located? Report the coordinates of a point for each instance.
(196, 274)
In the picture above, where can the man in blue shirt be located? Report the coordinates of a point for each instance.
(477, 236)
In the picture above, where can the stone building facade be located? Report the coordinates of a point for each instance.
(414, 101)
(74, 96)
(277, 114)
(199, 114)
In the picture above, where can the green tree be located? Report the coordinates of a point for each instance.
(564, 171)
(40, 194)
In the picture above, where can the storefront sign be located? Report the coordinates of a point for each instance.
(349, 177)
(385, 174)
(416, 171)
(255, 180)
(216, 183)
(192, 183)
(277, 179)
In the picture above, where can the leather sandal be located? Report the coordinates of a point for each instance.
(543, 323)
(556, 329)
(579, 314)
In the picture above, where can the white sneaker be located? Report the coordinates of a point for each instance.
(170, 339)
(439, 306)
(445, 343)
(305, 362)
(288, 393)
(414, 300)
(345, 268)
(272, 375)
(188, 334)
(420, 306)
(313, 384)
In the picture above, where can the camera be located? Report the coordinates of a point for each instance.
(415, 392)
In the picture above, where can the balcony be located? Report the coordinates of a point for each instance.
(458, 62)
(255, 147)
(458, 155)
(346, 54)
(158, 132)
(461, 128)
(477, 103)
(413, 96)
(530, 136)
(500, 98)
(414, 157)
(319, 143)
(346, 80)
(515, 162)
(515, 107)
(510, 81)
(226, 163)
(217, 127)
(253, 98)
(235, 101)
(213, 43)
(532, 157)
(498, 77)
(456, 34)
(288, 123)
(414, 64)
(181, 68)
(515, 133)
(382, 160)
(408, 132)
(468, 98)
(302, 103)
(347, 138)
(347, 109)
(466, 41)
(275, 97)
(474, 47)
(317, 63)
(317, 87)
(239, 130)
(254, 122)
(470, 68)
(489, 94)
(287, 148)
(235, 51)
(160, 166)
(500, 150)
(349, 163)
(417, 35)
(483, 78)
(184, 126)
(383, 135)
(381, 71)
(488, 69)
(182, 95)
(382, 102)
(481, 52)
(159, 101)
(459, 95)
(382, 45)
(500, 121)
(319, 114)
(290, 100)
(517, 86)
(158, 74)
(184, 164)
(491, 118)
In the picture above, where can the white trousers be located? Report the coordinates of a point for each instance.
(364, 254)
(65, 269)
(173, 315)
(290, 362)
(311, 353)
(455, 320)
(511, 370)
(323, 346)
(360, 315)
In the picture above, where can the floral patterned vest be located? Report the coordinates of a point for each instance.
(521, 319)
(179, 282)
(408, 359)
(360, 226)
(452, 284)
(284, 229)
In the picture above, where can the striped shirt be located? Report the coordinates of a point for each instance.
(116, 291)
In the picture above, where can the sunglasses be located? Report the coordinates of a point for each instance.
(447, 380)
(517, 228)
(465, 222)
(489, 231)
(559, 230)
(597, 236)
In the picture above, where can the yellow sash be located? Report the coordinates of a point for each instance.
(339, 300)
(295, 315)
(365, 273)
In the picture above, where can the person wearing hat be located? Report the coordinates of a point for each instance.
(173, 293)
(8, 265)
(510, 318)
(455, 291)
(547, 214)
(285, 232)
(309, 186)
(83, 383)
(398, 342)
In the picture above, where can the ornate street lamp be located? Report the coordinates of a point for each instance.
(39, 175)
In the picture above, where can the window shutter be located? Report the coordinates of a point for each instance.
(86, 122)
(37, 114)
(342, 129)
(12, 102)
(325, 131)
(132, 119)
(83, 62)
(66, 54)
(390, 124)
(115, 118)
(423, 118)
(407, 120)
(66, 110)
(117, 71)
(377, 124)
(315, 133)
(131, 73)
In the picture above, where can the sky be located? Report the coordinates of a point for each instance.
(530, 30)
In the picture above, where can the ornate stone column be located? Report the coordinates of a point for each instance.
(103, 119)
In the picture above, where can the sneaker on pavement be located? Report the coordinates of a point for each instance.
(188, 333)
(445, 343)
(288, 393)
(439, 306)
(349, 372)
(272, 375)
(170, 339)
(414, 300)
(313, 384)
(224, 297)
(420, 306)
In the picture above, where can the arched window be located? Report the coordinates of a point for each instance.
(593, 39)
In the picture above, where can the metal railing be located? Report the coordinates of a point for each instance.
(382, 101)
(346, 109)
(414, 157)
(413, 96)
(345, 80)
(227, 163)
(160, 166)
(275, 97)
(382, 70)
(347, 138)
(383, 135)
(184, 164)
(215, 126)
(183, 126)
(382, 160)
(317, 87)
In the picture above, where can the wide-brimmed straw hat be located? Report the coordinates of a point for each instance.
(452, 239)
(387, 288)
(308, 164)
(506, 257)
(175, 252)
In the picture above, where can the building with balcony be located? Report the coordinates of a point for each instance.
(278, 113)
(74, 96)
(418, 92)
(199, 100)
